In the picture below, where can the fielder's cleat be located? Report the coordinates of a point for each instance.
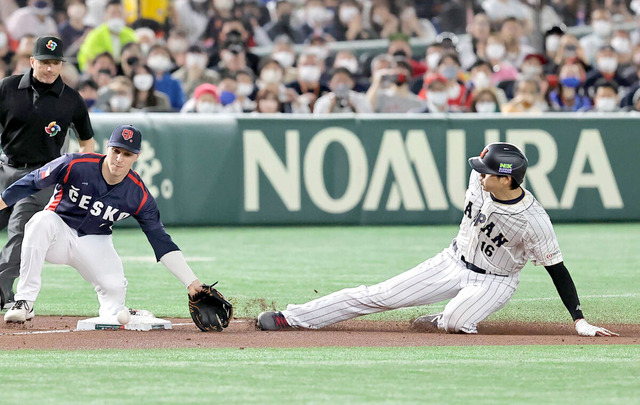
(141, 312)
(272, 321)
(427, 323)
(20, 311)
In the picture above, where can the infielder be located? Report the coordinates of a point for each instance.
(503, 227)
(92, 192)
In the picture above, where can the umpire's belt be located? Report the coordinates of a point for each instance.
(472, 266)
(18, 165)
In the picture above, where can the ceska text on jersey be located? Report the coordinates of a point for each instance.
(85, 202)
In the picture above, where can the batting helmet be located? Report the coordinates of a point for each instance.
(502, 159)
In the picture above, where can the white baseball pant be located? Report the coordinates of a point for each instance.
(48, 237)
(473, 296)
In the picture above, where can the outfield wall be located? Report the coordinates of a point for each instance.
(373, 169)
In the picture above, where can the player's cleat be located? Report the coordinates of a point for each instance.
(20, 311)
(272, 321)
(427, 323)
(141, 312)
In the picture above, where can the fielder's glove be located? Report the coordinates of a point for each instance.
(210, 310)
(584, 328)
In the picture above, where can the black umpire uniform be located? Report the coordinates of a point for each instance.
(35, 118)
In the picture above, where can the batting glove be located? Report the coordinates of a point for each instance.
(584, 328)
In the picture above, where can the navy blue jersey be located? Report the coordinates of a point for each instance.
(85, 202)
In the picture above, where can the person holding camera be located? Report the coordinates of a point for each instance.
(389, 91)
(342, 98)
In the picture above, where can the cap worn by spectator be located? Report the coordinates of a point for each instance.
(436, 77)
(541, 58)
(206, 88)
(448, 40)
(48, 48)
(556, 30)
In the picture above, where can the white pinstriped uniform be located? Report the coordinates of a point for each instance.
(495, 236)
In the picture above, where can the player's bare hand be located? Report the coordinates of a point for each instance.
(584, 328)
(194, 287)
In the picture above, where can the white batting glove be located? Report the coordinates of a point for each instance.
(584, 328)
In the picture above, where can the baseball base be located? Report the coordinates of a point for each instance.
(138, 323)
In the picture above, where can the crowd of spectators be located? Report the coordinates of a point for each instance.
(197, 55)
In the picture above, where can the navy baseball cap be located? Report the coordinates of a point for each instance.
(47, 48)
(127, 137)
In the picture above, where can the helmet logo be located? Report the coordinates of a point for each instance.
(506, 168)
(484, 152)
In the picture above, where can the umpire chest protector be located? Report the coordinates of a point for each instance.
(35, 124)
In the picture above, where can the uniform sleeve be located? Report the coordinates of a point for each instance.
(149, 220)
(541, 243)
(49, 174)
(81, 122)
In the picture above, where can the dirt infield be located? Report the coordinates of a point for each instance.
(55, 332)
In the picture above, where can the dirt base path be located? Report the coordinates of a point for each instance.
(55, 332)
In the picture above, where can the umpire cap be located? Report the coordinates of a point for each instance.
(127, 137)
(502, 159)
(48, 48)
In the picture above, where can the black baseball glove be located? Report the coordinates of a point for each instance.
(209, 309)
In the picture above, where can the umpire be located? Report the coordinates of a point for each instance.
(36, 111)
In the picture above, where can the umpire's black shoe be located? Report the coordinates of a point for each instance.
(272, 321)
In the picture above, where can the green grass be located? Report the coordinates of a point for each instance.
(272, 267)
(478, 375)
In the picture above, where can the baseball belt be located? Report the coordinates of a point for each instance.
(473, 267)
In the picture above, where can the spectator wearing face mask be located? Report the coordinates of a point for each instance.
(606, 96)
(227, 88)
(145, 96)
(308, 85)
(283, 52)
(479, 30)
(346, 59)
(35, 19)
(246, 89)
(159, 60)
(206, 99)
(316, 18)
(178, 45)
(532, 67)
(192, 16)
(621, 43)
(436, 95)
(342, 98)
(449, 68)
(110, 36)
(119, 96)
(569, 95)
(195, 71)
(415, 27)
(485, 102)
(389, 91)
(271, 74)
(480, 79)
(502, 70)
(606, 67)
(283, 24)
(347, 23)
(528, 98)
(600, 36)
(551, 44)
